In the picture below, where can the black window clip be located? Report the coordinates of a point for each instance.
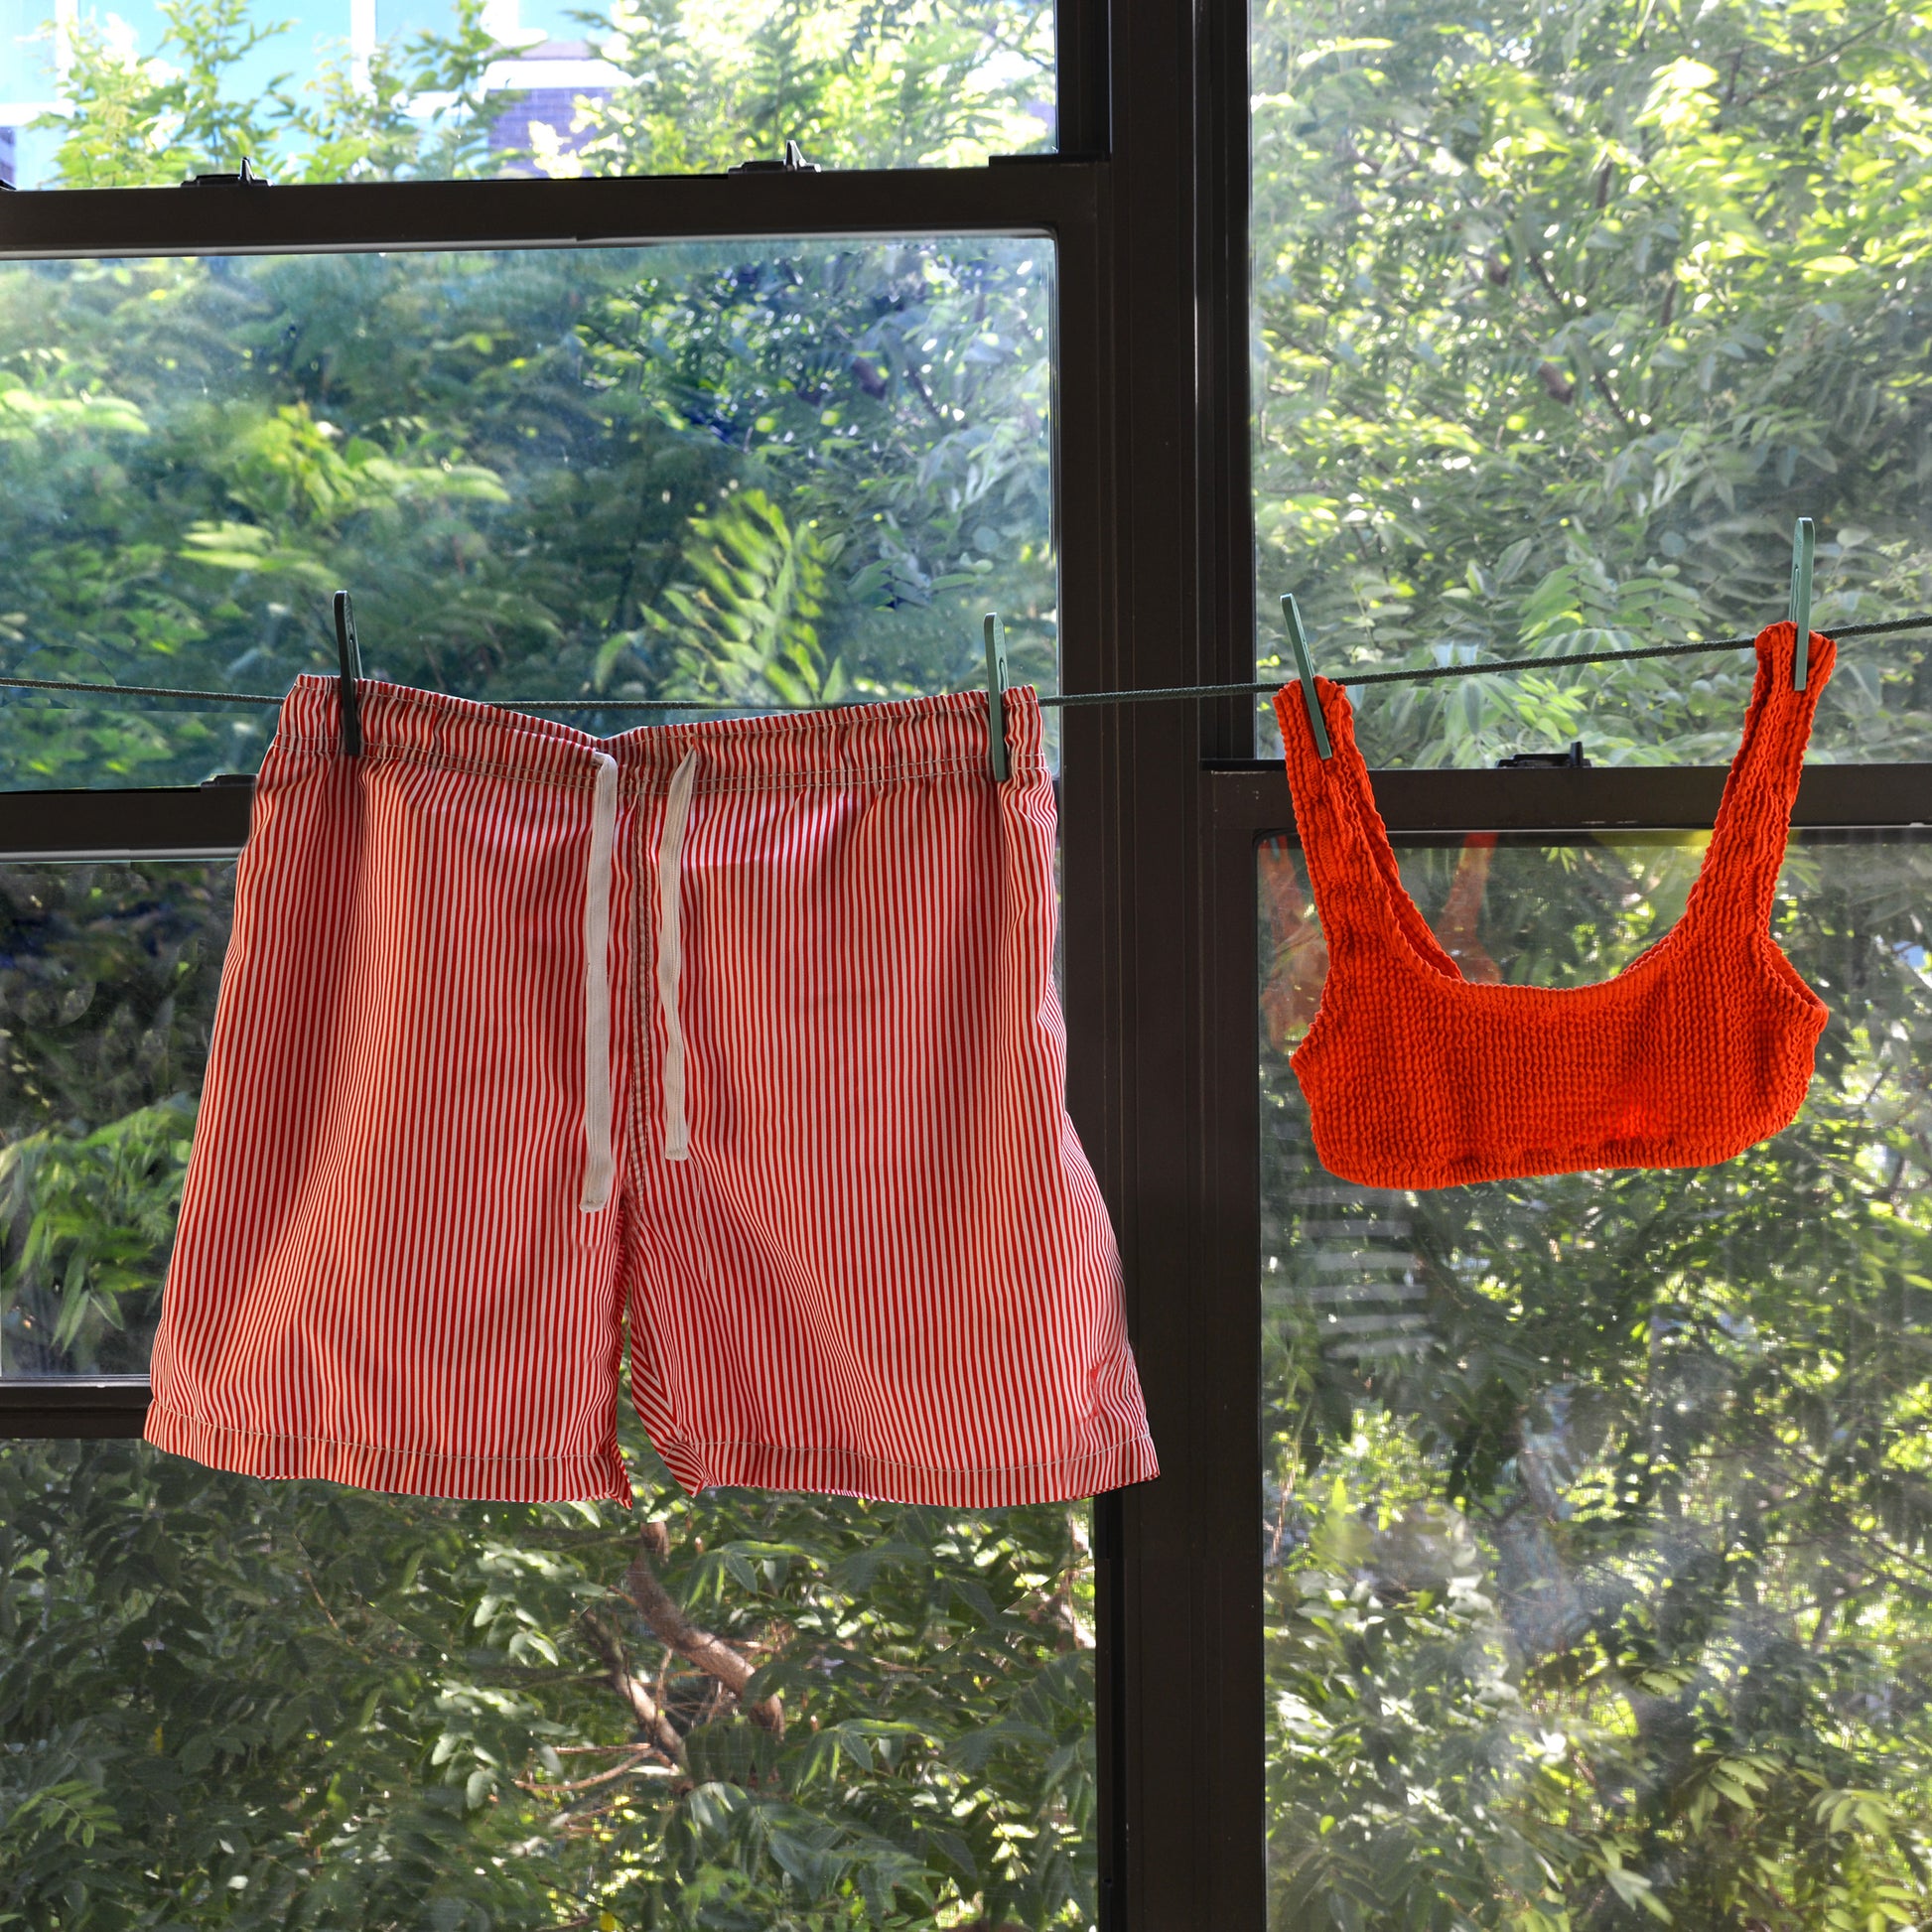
(1570, 760)
(794, 163)
(247, 178)
(348, 655)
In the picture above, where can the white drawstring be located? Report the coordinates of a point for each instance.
(670, 954)
(597, 1161)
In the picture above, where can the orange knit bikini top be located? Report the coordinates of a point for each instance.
(1699, 1047)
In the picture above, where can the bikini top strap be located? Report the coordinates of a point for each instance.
(1739, 879)
(1352, 869)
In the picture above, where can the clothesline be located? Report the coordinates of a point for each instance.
(1419, 674)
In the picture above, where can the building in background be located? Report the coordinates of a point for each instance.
(27, 81)
(549, 80)
(550, 74)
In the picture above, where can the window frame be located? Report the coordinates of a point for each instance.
(1162, 808)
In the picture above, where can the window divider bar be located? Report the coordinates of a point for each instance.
(207, 821)
(91, 1407)
(210, 821)
(520, 213)
(1625, 798)
(1083, 110)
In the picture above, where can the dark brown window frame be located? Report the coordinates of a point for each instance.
(1161, 809)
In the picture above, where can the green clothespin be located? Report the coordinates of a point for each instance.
(1803, 548)
(1299, 643)
(996, 685)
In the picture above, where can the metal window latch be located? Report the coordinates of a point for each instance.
(1570, 760)
(247, 178)
(794, 163)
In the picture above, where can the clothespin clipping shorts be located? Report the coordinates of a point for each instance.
(738, 1037)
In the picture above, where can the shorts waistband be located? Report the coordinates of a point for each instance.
(853, 746)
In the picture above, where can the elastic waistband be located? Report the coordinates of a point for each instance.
(854, 747)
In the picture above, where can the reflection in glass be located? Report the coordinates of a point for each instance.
(765, 473)
(1599, 1541)
(1559, 322)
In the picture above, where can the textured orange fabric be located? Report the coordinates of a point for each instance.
(1417, 1077)
(1292, 993)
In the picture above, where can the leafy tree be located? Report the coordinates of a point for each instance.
(1596, 1538)
(740, 625)
(898, 84)
(1600, 1526)
(866, 83)
(108, 982)
(163, 118)
(1565, 314)
(253, 1704)
(519, 461)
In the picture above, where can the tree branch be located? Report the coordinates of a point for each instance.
(712, 1655)
(1561, 301)
(652, 1720)
(623, 1770)
(924, 395)
(1779, 83)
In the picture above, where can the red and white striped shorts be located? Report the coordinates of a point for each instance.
(744, 1033)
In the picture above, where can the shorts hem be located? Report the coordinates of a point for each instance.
(396, 1471)
(847, 1472)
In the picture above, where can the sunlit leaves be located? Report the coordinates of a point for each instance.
(375, 1710)
(1600, 1514)
(1661, 274)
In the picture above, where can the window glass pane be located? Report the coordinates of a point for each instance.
(154, 91)
(1561, 319)
(766, 472)
(107, 981)
(1597, 1529)
(228, 1703)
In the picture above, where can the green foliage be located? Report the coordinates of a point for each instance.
(1600, 1523)
(879, 84)
(107, 983)
(523, 463)
(91, 1221)
(107, 986)
(235, 1703)
(1567, 315)
(158, 119)
(867, 83)
(524, 466)
(255, 1704)
(741, 624)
